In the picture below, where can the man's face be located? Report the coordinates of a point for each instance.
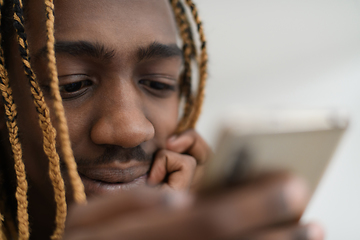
(118, 67)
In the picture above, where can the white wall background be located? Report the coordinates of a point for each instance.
(286, 53)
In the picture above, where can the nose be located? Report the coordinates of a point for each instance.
(122, 119)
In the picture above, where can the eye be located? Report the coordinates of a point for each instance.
(74, 89)
(156, 85)
(162, 88)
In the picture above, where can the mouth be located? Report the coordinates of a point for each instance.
(112, 179)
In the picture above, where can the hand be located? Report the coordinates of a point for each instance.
(181, 164)
(263, 209)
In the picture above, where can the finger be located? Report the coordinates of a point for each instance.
(192, 143)
(196, 182)
(179, 169)
(235, 213)
(296, 232)
(266, 202)
(99, 209)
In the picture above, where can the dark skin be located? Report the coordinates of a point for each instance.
(122, 105)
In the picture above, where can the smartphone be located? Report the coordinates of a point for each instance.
(256, 141)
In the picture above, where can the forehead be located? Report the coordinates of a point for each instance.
(115, 22)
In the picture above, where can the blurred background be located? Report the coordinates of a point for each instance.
(292, 54)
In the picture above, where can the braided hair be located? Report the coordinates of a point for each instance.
(12, 21)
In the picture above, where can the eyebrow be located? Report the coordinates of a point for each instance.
(159, 50)
(99, 51)
(79, 48)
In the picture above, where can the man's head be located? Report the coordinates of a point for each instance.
(121, 75)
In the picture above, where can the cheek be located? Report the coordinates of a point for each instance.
(165, 119)
(79, 121)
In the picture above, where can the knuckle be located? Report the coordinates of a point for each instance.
(162, 153)
(190, 132)
(189, 162)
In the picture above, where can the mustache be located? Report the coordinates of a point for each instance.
(117, 153)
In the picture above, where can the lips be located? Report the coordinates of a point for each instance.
(112, 178)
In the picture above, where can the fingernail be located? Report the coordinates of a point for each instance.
(296, 195)
(315, 232)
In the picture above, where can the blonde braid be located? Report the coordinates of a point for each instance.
(11, 123)
(193, 106)
(22, 186)
(188, 52)
(79, 194)
(2, 234)
(49, 133)
(202, 66)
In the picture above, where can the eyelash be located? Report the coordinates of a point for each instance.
(74, 89)
(156, 85)
(158, 88)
